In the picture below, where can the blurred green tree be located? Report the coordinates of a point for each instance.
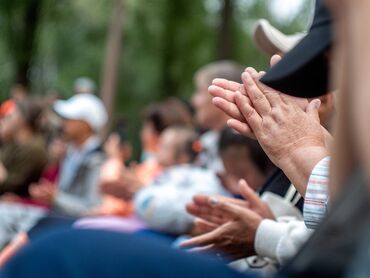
(48, 43)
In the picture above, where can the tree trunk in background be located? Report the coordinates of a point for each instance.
(225, 31)
(22, 22)
(112, 57)
(173, 10)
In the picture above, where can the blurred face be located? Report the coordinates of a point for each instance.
(149, 137)
(238, 165)
(167, 152)
(206, 114)
(10, 124)
(75, 130)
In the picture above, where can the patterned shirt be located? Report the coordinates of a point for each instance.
(317, 194)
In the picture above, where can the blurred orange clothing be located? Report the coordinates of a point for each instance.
(148, 170)
(111, 205)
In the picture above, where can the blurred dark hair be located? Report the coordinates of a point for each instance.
(32, 112)
(230, 138)
(171, 112)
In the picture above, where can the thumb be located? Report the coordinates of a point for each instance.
(248, 193)
(313, 109)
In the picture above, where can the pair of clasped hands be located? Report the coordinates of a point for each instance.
(289, 131)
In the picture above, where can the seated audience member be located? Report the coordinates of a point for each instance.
(23, 155)
(162, 204)
(157, 117)
(330, 251)
(118, 151)
(207, 116)
(278, 141)
(77, 191)
(243, 158)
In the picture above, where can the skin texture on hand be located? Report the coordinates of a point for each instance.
(235, 238)
(288, 129)
(201, 206)
(226, 225)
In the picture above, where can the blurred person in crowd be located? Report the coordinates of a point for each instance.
(23, 155)
(157, 117)
(17, 92)
(207, 116)
(84, 116)
(243, 158)
(294, 233)
(161, 204)
(320, 256)
(84, 85)
(118, 151)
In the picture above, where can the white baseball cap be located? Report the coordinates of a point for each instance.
(84, 107)
(271, 41)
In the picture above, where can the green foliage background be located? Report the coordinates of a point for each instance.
(164, 43)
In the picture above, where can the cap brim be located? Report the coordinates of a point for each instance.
(271, 41)
(303, 71)
(63, 109)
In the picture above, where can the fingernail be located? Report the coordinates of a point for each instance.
(213, 201)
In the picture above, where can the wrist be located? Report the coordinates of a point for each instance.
(299, 164)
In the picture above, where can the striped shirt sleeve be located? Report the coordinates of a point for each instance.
(317, 194)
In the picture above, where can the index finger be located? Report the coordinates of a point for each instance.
(229, 85)
(229, 108)
(256, 96)
(202, 240)
(217, 91)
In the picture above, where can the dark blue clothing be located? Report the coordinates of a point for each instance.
(89, 253)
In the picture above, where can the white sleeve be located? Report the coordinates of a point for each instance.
(163, 208)
(280, 241)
